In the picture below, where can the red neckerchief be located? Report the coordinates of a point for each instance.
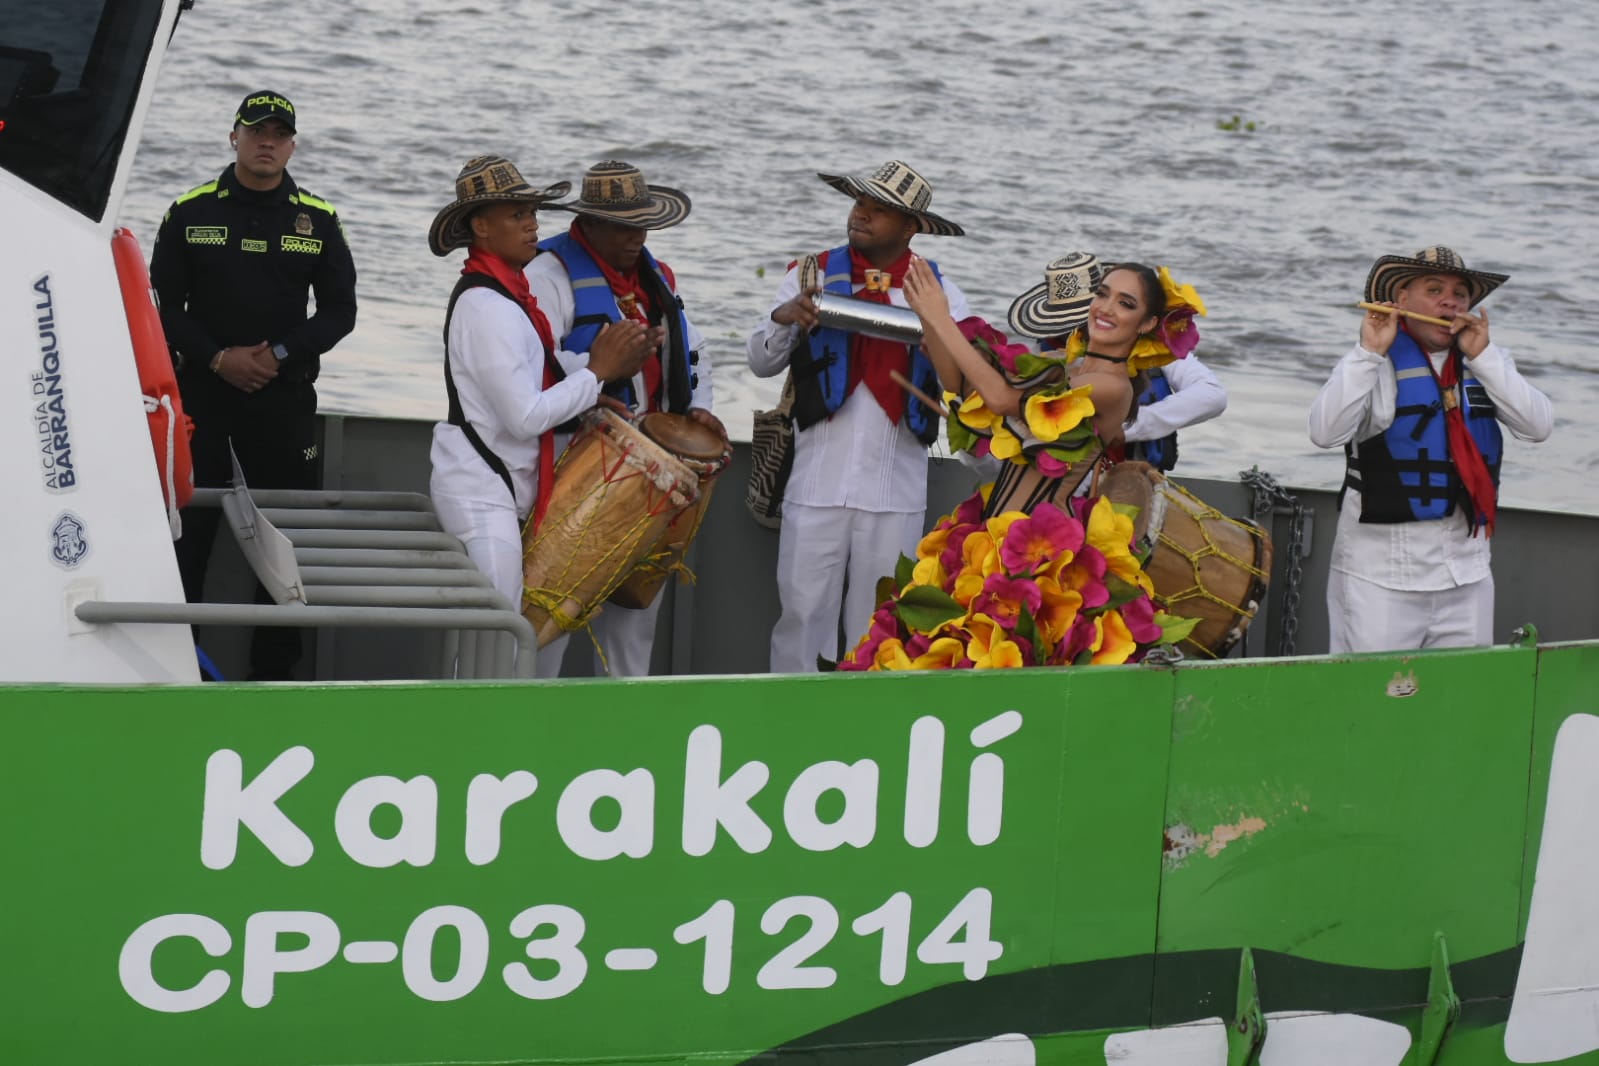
(479, 261)
(634, 302)
(1473, 470)
(872, 359)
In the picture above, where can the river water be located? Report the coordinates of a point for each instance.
(1377, 128)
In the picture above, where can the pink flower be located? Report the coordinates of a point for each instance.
(1033, 542)
(1048, 465)
(982, 336)
(1178, 331)
(1084, 636)
(1139, 615)
(1086, 576)
(1003, 598)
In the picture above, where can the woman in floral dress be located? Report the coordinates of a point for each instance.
(1025, 573)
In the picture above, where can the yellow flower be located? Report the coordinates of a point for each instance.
(942, 654)
(1180, 295)
(1058, 610)
(932, 545)
(929, 571)
(1005, 444)
(990, 646)
(1000, 524)
(890, 655)
(1116, 643)
(1076, 345)
(1112, 532)
(1148, 352)
(1051, 415)
(967, 586)
(980, 554)
(975, 414)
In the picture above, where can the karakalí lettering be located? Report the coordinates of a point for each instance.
(715, 804)
(50, 426)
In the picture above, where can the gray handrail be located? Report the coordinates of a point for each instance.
(503, 620)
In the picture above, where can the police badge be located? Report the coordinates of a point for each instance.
(302, 224)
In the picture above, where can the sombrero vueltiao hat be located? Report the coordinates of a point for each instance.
(1060, 304)
(617, 192)
(1392, 271)
(897, 185)
(487, 179)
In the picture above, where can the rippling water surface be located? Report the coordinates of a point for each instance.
(1378, 128)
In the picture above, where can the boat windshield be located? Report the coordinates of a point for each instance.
(69, 77)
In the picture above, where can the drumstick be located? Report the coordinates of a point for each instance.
(1408, 314)
(903, 382)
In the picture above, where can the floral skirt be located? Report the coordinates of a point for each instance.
(1060, 586)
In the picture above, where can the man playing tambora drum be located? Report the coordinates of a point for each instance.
(1418, 406)
(599, 272)
(494, 456)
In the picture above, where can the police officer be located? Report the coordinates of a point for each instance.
(233, 265)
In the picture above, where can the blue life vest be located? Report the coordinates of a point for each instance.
(594, 305)
(1161, 453)
(820, 363)
(1405, 474)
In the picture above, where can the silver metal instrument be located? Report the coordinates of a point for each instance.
(837, 311)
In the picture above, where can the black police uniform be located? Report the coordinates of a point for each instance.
(234, 266)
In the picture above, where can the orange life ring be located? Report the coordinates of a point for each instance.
(170, 429)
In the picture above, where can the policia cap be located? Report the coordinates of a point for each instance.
(259, 106)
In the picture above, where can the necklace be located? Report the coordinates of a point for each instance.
(1107, 358)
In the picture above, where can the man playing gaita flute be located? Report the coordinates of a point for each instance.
(1418, 407)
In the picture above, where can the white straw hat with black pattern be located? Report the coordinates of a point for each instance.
(486, 179)
(1060, 304)
(897, 185)
(617, 192)
(1391, 272)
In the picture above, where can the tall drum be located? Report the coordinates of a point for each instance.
(616, 492)
(703, 451)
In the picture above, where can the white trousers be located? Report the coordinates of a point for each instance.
(492, 535)
(1364, 616)
(627, 638)
(818, 549)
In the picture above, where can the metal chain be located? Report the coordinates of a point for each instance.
(1268, 494)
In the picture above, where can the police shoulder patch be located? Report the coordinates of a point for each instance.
(307, 200)
(198, 190)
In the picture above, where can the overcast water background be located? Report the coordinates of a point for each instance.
(1044, 127)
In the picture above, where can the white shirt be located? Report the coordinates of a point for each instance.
(497, 363)
(1196, 396)
(856, 458)
(547, 277)
(1357, 403)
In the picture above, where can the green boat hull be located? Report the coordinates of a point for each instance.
(861, 870)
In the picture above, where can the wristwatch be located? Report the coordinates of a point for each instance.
(279, 352)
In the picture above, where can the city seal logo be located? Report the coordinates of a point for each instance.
(302, 224)
(68, 545)
(206, 234)
(300, 244)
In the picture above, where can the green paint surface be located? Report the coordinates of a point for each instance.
(1331, 815)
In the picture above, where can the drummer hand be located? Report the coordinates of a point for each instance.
(705, 418)
(619, 350)
(923, 291)
(607, 400)
(1471, 333)
(800, 311)
(1378, 330)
